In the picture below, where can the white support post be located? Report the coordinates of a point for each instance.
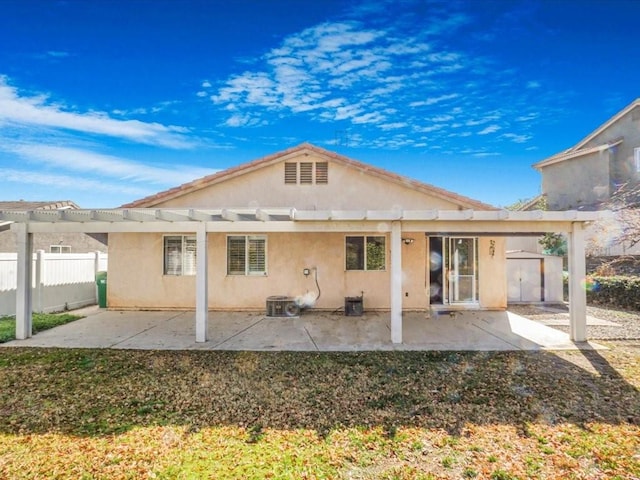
(396, 282)
(39, 273)
(24, 307)
(577, 293)
(202, 284)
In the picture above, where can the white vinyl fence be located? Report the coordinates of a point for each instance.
(61, 281)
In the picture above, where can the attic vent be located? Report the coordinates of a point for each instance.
(290, 173)
(322, 173)
(306, 173)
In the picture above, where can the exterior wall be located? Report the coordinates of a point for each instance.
(492, 273)
(623, 167)
(79, 242)
(527, 244)
(287, 256)
(591, 179)
(145, 286)
(347, 189)
(577, 182)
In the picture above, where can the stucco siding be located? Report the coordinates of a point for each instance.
(577, 182)
(136, 279)
(623, 166)
(492, 273)
(347, 189)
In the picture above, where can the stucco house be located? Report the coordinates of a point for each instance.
(245, 268)
(305, 223)
(586, 175)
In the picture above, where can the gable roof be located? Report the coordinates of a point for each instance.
(52, 205)
(578, 149)
(210, 180)
(22, 205)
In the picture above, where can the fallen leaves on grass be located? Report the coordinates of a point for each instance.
(140, 414)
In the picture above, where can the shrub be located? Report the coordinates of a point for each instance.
(618, 291)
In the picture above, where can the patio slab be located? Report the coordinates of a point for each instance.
(312, 331)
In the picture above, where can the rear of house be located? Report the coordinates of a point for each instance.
(322, 263)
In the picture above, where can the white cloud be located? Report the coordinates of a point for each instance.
(25, 178)
(434, 100)
(36, 111)
(489, 129)
(78, 160)
(514, 137)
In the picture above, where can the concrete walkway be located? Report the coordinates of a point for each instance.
(312, 331)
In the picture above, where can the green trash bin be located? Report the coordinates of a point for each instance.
(101, 280)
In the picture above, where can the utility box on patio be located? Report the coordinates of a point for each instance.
(353, 306)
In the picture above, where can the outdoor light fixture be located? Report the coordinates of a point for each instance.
(408, 241)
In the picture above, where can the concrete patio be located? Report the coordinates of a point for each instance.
(312, 331)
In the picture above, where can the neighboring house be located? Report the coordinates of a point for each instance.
(589, 173)
(244, 269)
(50, 242)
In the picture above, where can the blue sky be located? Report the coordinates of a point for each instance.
(104, 102)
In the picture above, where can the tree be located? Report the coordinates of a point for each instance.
(622, 227)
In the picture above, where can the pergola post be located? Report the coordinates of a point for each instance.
(577, 293)
(202, 284)
(396, 282)
(24, 306)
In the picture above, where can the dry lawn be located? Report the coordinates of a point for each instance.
(108, 414)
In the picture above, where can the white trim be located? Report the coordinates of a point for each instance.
(636, 156)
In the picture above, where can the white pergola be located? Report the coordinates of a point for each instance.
(202, 221)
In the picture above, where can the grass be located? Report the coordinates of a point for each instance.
(41, 321)
(113, 414)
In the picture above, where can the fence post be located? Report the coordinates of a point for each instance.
(96, 269)
(39, 280)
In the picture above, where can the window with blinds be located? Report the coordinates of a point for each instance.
(306, 173)
(179, 255)
(246, 255)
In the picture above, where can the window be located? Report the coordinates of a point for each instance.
(60, 249)
(636, 156)
(179, 255)
(365, 253)
(306, 173)
(246, 255)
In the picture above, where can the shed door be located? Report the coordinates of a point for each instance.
(525, 280)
